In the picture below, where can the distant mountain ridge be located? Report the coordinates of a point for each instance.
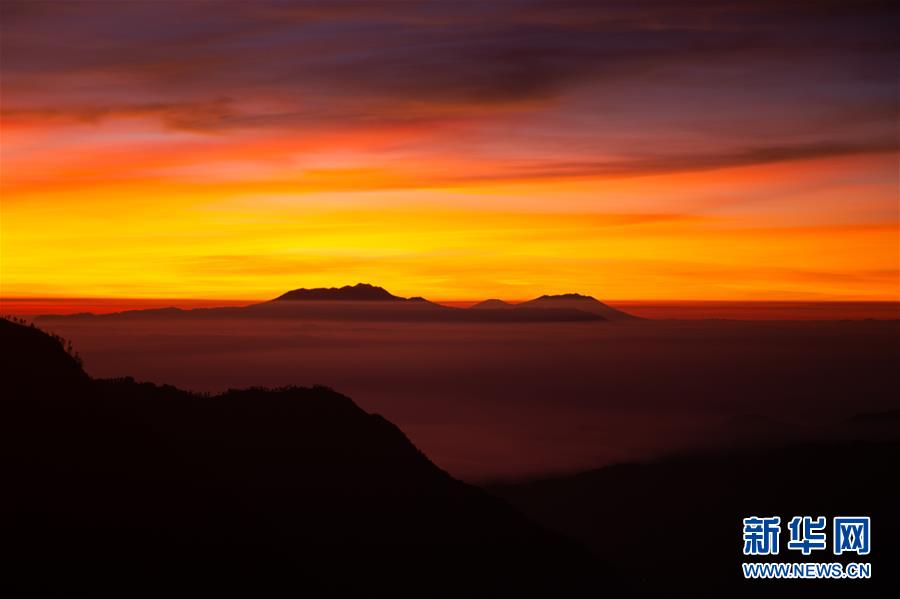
(364, 301)
(359, 292)
(576, 301)
(492, 304)
(563, 301)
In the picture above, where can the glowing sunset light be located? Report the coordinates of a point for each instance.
(456, 151)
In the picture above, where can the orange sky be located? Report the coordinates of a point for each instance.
(122, 177)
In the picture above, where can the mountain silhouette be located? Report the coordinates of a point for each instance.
(576, 301)
(364, 302)
(492, 304)
(358, 292)
(116, 487)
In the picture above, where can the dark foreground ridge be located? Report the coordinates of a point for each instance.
(673, 528)
(121, 488)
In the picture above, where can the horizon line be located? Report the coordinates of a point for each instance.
(153, 298)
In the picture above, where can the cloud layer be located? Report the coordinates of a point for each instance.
(636, 73)
(523, 107)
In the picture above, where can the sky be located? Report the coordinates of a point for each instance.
(737, 150)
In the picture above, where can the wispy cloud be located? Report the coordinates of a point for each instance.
(121, 118)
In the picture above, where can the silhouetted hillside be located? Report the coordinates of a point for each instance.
(22, 375)
(576, 301)
(122, 488)
(674, 528)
